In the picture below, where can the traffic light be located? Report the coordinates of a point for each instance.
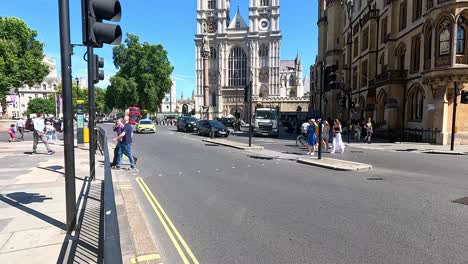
(464, 97)
(95, 32)
(98, 64)
(330, 77)
(247, 93)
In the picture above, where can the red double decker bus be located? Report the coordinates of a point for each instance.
(134, 113)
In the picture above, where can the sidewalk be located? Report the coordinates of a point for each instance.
(412, 147)
(32, 206)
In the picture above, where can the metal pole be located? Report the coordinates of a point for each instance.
(69, 151)
(348, 97)
(91, 114)
(322, 82)
(250, 114)
(454, 116)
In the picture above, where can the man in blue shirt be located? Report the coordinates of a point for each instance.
(39, 133)
(124, 144)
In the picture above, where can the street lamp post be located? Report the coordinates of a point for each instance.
(77, 87)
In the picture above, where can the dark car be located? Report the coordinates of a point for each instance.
(187, 124)
(29, 125)
(206, 127)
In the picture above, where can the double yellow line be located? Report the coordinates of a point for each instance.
(171, 230)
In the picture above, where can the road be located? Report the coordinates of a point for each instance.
(230, 206)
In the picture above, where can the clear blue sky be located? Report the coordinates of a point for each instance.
(171, 23)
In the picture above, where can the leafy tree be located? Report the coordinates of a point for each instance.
(41, 105)
(101, 106)
(144, 75)
(77, 93)
(21, 56)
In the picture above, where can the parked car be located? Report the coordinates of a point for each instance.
(187, 124)
(145, 126)
(229, 123)
(29, 125)
(205, 127)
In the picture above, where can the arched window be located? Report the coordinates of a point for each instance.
(213, 99)
(382, 63)
(264, 91)
(44, 86)
(444, 37)
(415, 108)
(461, 34)
(291, 80)
(263, 55)
(213, 54)
(211, 4)
(264, 2)
(237, 67)
(428, 46)
(401, 56)
(381, 101)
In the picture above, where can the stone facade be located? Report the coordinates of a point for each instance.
(169, 103)
(399, 60)
(18, 99)
(240, 53)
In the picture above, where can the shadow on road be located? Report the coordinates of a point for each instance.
(17, 200)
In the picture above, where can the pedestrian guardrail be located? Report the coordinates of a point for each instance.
(111, 237)
(409, 135)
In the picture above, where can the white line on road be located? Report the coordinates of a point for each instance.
(15, 169)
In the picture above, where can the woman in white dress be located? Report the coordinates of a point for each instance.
(338, 145)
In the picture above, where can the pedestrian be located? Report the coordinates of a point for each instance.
(369, 130)
(124, 143)
(311, 137)
(357, 131)
(11, 133)
(20, 128)
(39, 133)
(326, 134)
(118, 128)
(338, 144)
(50, 130)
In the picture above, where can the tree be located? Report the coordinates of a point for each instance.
(21, 56)
(41, 105)
(101, 106)
(144, 75)
(77, 93)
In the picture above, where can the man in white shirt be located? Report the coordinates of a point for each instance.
(20, 126)
(39, 133)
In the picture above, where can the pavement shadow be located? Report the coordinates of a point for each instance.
(84, 244)
(261, 157)
(17, 200)
(54, 168)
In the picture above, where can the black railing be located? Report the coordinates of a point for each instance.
(408, 135)
(111, 235)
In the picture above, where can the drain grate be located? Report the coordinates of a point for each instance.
(463, 201)
(375, 179)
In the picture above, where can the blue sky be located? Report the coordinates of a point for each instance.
(171, 23)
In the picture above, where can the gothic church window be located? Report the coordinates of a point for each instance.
(416, 103)
(417, 9)
(403, 15)
(237, 67)
(428, 47)
(444, 42)
(382, 63)
(291, 80)
(415, 54)
(211, 4)
(264, 2)
(263, 55)
(213, 54)
(401, 56)
(461, 35)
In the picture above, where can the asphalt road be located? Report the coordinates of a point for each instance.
(234, 207)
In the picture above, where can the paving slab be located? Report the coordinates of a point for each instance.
(33, 238)
(233, 144)
(39, 255)
(335, 164)
(446, 152)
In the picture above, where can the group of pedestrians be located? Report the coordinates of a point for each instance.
(312, 130)
(14, 128)
(367, 126)
(124, 140)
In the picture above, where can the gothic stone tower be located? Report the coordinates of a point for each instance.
(239, 53)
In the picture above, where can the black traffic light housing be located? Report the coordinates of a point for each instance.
(98, 64)
(330, 77)
(247, 93)
(464, 97)
(95, 32)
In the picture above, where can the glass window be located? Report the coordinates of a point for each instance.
(415, 54)
(403, 15)
(384, 29)
(444, 42)
(145, 122)
(461, 35)
(416, 107)
(237, 67)
(211, 4)
(263, 54)
(364, 74)
(213, 54)
(417, 9)
(264, 2)
(365, 39)
(356, 47)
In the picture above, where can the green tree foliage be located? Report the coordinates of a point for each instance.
(144, 75)
(21, 57)
(99, 97)
(41, 105)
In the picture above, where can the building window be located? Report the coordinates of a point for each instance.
(44, 87)
(461, 34)
(364, 74)
(211, 4)
(237, 67)
(415, 54)
(264, 2)
(356, 47)
(403, 15)
(444, 42)
(417, 9)
(213, 100)
(263, 55)
(291, 80)
(384, 30)
(401, 56)
(416, 104)
(355, 77)
(213, 54)
(429, 4)
(365, 39)
(382, 63)
(428, 47)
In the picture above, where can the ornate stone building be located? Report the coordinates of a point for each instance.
(169, 103)
(241, 52)
(399, 60)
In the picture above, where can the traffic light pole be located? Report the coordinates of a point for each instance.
(322, 82)
(454, 116)
(250, 114)
(69, 148)
(91, 113)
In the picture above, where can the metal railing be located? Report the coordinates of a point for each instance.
(111, 236)
(408, 135)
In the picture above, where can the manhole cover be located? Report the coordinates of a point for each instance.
(375, 179)
(463, 201)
